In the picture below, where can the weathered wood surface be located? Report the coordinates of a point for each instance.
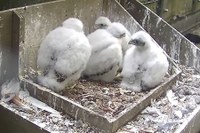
(191, 124)
(66, 105)
(37, 24)
(6, 69)
(77, 111)
(17, 40)
(10, 122)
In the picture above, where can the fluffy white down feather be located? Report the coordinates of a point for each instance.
(10, 89)
(124, 41)
(64, 50)
(106, 56)
(144, 66)
(102, 22)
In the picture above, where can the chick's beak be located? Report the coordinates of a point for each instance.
(100, 26)
(136, 42)
(96, 27)
(122, 35)
(132, 42)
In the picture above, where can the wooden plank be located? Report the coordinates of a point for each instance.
(5, 46)
(191, 124)
(38, 23)
(66, 105)
(18, 24)
(11, 122)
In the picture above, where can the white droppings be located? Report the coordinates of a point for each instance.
(76, 115)
(36, 103)
(175, 46)
(42, 125)
(178, 114)
(158, 21)
(4, 72)
(146, 18)
(35, 91)
(195, 58)
(170, 97)
(54, 102)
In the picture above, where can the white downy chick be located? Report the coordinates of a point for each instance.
(63, 55)
(145, 64)
(106, 56)
(125, 37)
(102, 23)
(10, 89)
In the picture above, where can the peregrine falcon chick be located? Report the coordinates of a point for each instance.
(106, 56)
(102, 23)
(63, 55)
(145, 64)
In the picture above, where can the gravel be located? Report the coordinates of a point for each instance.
(107, 99)
(169, 112)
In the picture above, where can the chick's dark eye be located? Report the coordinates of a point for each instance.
(135, 41)
(101, 25)
(123, 34)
